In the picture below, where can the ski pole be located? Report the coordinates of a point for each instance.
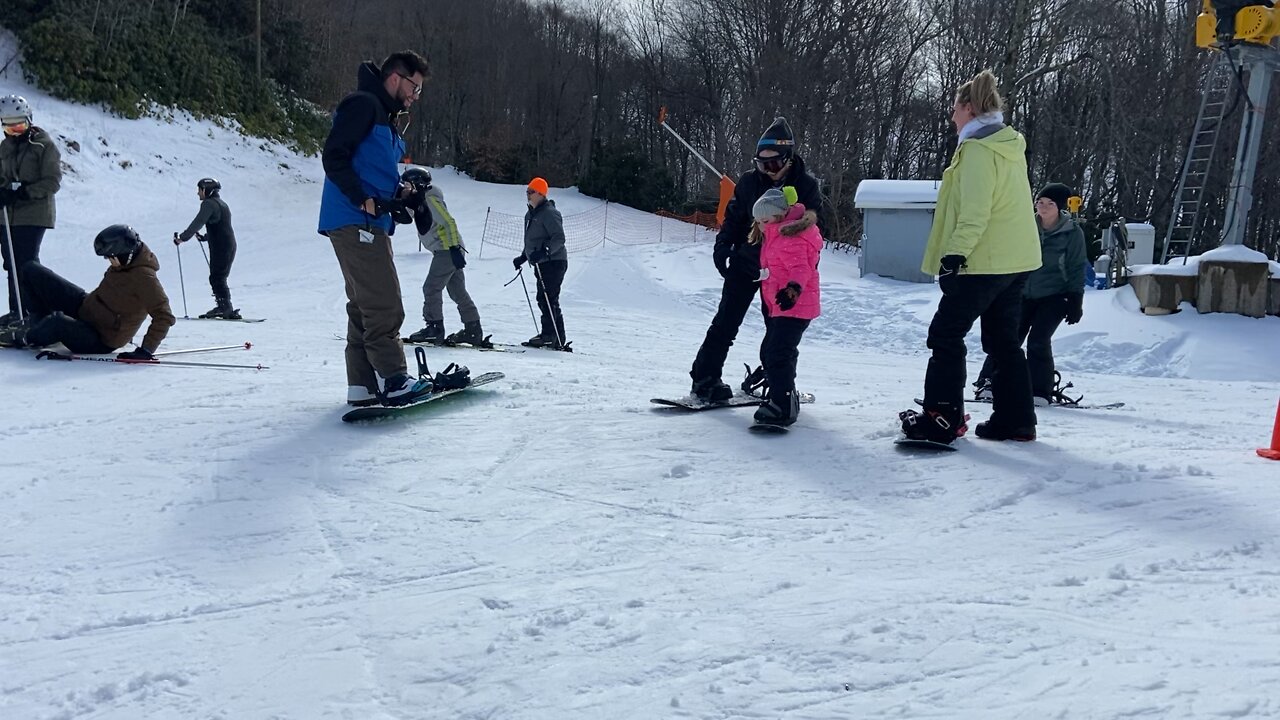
(13, 264)
(520, 274)
(546, 297)
(177, 246)
(166, 353)
(200, 239)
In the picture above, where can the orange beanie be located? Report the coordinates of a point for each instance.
(539, 186)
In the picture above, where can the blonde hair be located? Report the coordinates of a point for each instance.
(756, 236)
(981, 94)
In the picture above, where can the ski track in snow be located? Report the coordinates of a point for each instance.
(216, 544)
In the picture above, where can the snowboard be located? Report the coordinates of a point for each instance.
(378, 412)
(1069, 406)
(924, 445)
(240, 320)
(693, 405)
(767, 429)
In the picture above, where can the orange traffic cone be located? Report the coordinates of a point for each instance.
(1273, 452)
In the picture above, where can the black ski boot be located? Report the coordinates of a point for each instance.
(432, 333)
(223, 310)
(711, 390)
(781, 409)
(990, 431)
(471, 333)
(14, 336)
(934, 425)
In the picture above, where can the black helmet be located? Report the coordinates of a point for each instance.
(117, 241)
(210, 186)
(419, 178)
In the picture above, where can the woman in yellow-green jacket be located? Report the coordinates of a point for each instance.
(983, 244)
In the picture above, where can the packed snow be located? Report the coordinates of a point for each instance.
(196, 543)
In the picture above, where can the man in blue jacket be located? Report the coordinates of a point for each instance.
(358, 210)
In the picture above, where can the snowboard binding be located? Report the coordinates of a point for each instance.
(755, 383)
(1059, 395)
(454, 377)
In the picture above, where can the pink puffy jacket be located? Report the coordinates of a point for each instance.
(792, 258)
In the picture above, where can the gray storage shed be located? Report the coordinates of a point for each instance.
(896, 218)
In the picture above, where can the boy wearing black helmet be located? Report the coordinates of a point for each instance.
(106, 318)
(215, 217)
(776, 164)
(438, 232)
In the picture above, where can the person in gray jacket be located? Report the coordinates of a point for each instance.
(438, 232)
(215, 217)
(544, 249)
(30, 175)
(1053, 293)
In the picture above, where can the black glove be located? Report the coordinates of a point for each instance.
(7, 197)
(458, 255)
(948, 271)
(518, 260)
(721, 257)
(786, 297)
(21, 193)
(1075, 307)
(176, 239)
(538, 256)
(141, 354)
(394, 208)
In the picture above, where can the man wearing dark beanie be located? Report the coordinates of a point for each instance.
(1052, 294)
(776, 164)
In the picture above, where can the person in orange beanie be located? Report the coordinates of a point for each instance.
(544, 249)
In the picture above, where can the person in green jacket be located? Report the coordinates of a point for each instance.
(438, 232)
(982, 246)
(1053, 293)
(30, 175)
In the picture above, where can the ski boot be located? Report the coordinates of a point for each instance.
(432, 333)
(470, 334)
(711, 391)
(222, 311)
(932, 425)
(781, 409)
(990, 431)
(403, 389)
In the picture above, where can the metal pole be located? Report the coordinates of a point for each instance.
(551, 311)
(485, 231)
(1240, 200)
(13, 264)
(536, 327)
(696, 154)
(181, 280)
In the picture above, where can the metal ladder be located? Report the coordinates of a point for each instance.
(1189, 199)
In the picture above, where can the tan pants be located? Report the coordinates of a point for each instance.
(375, 311)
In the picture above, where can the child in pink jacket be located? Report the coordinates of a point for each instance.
(789, 289)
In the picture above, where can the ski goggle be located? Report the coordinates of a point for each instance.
(772, 164)
(15, 126)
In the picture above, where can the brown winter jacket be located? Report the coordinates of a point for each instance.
(126, 296)
(33, 160)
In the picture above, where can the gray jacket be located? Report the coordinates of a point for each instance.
(1062, 258)
(437, 230)
(544, 233)
(33, 160)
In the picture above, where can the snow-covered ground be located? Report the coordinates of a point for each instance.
(187, 543)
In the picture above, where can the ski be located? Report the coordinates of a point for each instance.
(239, 320)
(51, 355)
(378, 412)
(692, 404)
(567, 347)
(485, 345)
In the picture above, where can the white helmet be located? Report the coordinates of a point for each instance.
(14, 106)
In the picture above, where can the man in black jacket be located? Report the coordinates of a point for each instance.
(738, 261)
(215, 217)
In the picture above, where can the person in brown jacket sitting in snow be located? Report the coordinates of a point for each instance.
(105, 319)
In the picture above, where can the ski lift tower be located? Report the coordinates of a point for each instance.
(1242, 34)
(1242, 31)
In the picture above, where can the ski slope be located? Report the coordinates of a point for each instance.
(189, 543)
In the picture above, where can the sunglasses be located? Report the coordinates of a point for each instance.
(772, 164)
(15, 126)
(530, 192)
(417, 87)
